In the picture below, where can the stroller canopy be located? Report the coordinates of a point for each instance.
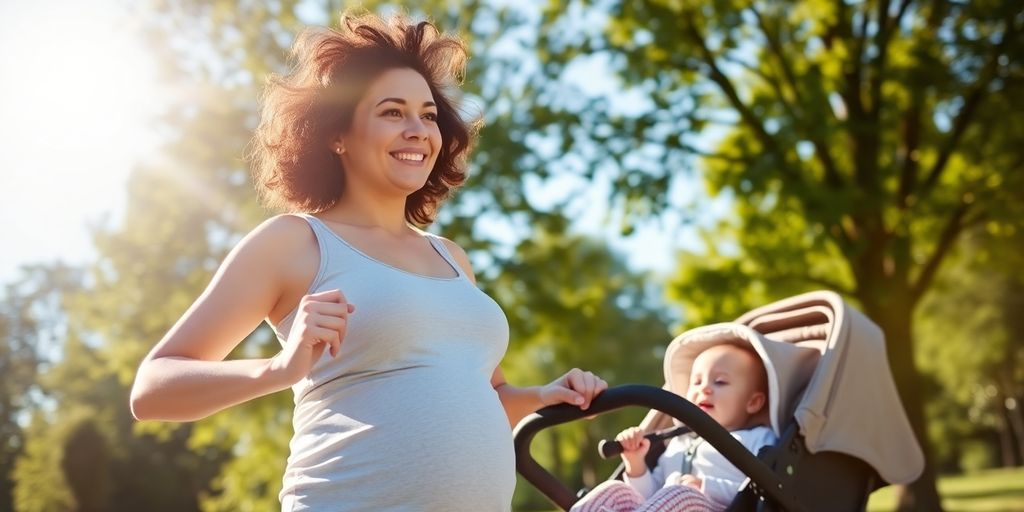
(827, 368)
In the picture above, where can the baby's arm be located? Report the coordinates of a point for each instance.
(634, 451)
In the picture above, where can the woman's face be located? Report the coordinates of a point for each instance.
(393, 141)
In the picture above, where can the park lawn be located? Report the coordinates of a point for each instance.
(997, 490)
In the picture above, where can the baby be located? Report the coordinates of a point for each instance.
(729, 383)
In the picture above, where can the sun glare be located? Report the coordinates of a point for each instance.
(77, 102)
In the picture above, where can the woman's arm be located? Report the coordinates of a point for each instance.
(577, 387)
(185, 377)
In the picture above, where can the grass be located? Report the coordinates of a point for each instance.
(998, 490)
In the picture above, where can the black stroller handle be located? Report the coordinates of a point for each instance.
(652, 398)
(608, 449)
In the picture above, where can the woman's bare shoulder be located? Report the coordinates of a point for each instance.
(283, 251)
(280, 249)
(280, 235)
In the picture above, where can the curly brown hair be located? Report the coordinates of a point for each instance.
(293, 166)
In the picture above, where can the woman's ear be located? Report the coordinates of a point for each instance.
(756, 402)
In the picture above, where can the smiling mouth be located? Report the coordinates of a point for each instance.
(409, 157)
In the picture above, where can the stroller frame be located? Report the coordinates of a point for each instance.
(653, 398)
(827, 469)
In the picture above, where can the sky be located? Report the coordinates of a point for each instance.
(77, 95)
(78, 102)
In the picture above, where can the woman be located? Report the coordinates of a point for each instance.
(389, 347)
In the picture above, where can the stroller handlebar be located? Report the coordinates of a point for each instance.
(652, 398)
(608, 449)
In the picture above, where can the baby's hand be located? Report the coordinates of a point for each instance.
(634, 448)
(691, 481)
(633, 442)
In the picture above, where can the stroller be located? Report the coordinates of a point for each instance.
(832, 403)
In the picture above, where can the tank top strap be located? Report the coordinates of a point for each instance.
(442, 249)
(317, 225)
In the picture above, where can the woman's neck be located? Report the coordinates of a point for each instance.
(388, 216)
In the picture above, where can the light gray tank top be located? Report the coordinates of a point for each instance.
(405, 417)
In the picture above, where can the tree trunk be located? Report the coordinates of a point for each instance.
(1016, 419)
(1006, 449)
(892, 310)
(1010, 405)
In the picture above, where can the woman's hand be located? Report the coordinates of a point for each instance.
(634, 448)
(320, 322)
(576, 387)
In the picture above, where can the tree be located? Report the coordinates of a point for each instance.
(975, 355)
(858, 140)
(29, 320)
(195, 200)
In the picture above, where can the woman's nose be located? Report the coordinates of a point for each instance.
(415, 129)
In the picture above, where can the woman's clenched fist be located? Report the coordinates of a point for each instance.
(320, 323)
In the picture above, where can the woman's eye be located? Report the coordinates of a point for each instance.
(392, 112)
(430, 117)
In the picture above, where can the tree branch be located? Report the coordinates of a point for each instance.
(881, 55)
(717, 156)
(911, 141)
(771, 80)
(966, 115)
(731, 94)
(954, 226)
(821, 150)
(900, 12)
(775, 50)
(854, 101)
(858, 124)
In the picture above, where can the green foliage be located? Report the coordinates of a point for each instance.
(130, 473)
(31, 326)
(572, 302)
(41, 484)
(858, 140)
(976, 355)
(256, 435)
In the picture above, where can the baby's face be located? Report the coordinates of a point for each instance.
(722, 384)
